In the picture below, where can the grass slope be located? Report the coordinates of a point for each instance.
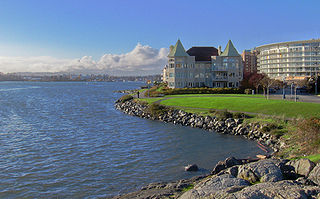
(248, 104)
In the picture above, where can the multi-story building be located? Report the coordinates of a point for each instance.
(249, 58)
(290, 60)
(203, 67)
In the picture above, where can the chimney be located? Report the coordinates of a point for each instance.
(171, 48)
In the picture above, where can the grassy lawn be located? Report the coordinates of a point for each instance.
(151, 100)
(212, 95)
(248, 104)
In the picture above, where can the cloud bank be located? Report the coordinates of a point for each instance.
(142, 60)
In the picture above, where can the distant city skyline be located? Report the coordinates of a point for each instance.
(132, 37)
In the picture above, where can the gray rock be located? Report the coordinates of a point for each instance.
(263, 171)
(216, 186)
(219, 167)
(191, 167)
(302, 166)
(229, 162)
(306, 181)
(282, 189)
(315, 174)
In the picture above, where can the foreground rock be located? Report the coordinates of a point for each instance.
(162, 190)
(266, 178)
(282, 189)
(216, 187)
(261, 171)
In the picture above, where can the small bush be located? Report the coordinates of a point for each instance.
(156, 109)
(248, 91)
(212, 111)
(307, 135)
(270, 127)
(223, 114)
(178, 91)
(278, 132)
(125, 98)
(240, 115)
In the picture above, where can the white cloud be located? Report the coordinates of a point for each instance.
(142, 60)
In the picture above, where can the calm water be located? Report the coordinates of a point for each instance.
(66, 140)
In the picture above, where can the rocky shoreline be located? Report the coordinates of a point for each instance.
(232, 178)
(228, 126)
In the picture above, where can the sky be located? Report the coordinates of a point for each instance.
(122, 37)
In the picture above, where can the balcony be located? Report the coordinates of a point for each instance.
(222, 79)
(216, 68)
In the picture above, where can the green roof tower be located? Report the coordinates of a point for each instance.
(177, 50)
(230, 51)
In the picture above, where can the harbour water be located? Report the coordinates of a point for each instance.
(66, 140)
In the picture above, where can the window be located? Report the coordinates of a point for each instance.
(171, 74)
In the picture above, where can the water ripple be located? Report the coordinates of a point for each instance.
(65, 140)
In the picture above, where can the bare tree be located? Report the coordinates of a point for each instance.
(299, 83)
(267, 82)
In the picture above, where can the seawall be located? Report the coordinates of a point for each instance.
(226, 126)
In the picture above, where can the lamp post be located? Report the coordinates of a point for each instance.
(291, 90)
(316, 85)
(283, 90)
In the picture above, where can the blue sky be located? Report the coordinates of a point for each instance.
(72, 29)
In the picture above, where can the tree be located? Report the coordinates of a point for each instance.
(267, 82)
(255, 80)
(299, 83)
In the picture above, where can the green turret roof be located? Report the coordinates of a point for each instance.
(230, 50)
(178, 50)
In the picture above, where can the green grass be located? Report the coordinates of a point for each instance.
(212, 95)
(248, 104)
(188, 188)
(313, 158)
(150, 100)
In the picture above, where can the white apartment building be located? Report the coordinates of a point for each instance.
(203, 67)
(290, 60)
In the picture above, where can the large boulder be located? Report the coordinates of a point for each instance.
(302, 166)
(281, 189)
(314, 175)
(191, 167)
(261, 171)
(216, 187)
(229, 162)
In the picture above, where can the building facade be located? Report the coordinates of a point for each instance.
(249, 58)
(203, 67)
(290, 60)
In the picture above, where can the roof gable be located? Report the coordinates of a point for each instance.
(230, 50)
(178, 50)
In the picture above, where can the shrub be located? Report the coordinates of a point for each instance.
(240, 115)
(307, 135)
(270, 127)
(178, 91)
(223, 114)
(125, 98)
(278, 132)
(248, 91)
(156, 109)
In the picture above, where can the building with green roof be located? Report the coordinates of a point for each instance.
(203, 67)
